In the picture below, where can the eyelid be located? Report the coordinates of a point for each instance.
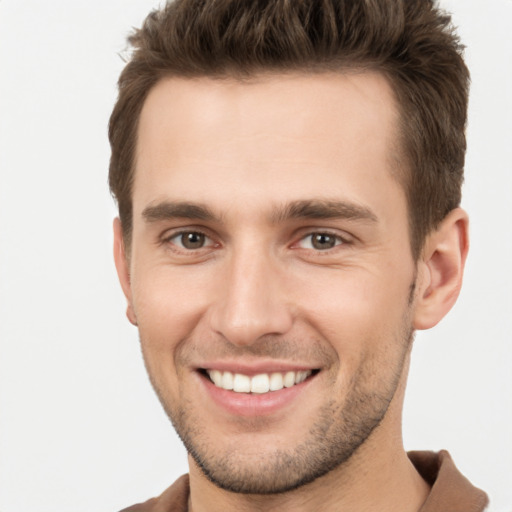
(338, 240)
(343, 236)
(167, 236)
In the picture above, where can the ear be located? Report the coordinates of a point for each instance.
(440, 269)
(123, 269)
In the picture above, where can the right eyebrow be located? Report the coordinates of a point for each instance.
(166, 210)
(323, 209)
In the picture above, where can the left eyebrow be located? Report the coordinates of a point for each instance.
(167, 210)
(322, 209)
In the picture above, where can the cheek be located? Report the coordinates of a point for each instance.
(359, 312)
(168, 306)
(167, 299)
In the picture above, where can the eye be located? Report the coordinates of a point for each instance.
(320, 241)
(190, 240)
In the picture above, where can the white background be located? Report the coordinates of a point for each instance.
(80, 429)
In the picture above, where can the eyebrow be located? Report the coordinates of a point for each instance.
(323, 209)
(183, 210)
(300, 209)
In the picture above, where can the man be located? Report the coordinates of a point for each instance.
(288, 178)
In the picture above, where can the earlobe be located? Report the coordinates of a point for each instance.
(441, 269)
(123, 269)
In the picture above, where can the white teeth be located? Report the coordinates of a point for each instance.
(227, 380)
(300, 377)
(289, 379)
(216, 377)
(262, 383)
(276, 382)
(241, 383)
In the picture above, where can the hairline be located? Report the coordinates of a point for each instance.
(399, 164)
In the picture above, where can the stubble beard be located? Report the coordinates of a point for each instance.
(338, 432)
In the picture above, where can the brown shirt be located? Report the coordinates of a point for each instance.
(451, 491)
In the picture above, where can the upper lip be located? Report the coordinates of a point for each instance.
(256, 368)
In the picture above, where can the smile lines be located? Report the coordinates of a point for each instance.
(262, 383)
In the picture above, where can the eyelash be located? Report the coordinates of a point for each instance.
(168, 239)
(339, 241)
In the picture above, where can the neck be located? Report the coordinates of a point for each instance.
(368, 491)
(377, 478)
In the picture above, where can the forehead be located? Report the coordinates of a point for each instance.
(272, 137)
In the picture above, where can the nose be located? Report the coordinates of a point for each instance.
(252, 302)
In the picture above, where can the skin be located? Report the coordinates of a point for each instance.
(258, 161)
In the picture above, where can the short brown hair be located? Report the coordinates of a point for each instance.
(411, 41)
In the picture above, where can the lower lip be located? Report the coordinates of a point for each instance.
(254, 404)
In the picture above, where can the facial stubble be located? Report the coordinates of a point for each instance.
(339, 431)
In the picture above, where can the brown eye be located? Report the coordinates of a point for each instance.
(323, 241)
(320, 241)
(192, 240)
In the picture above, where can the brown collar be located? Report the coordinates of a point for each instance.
(451, 491)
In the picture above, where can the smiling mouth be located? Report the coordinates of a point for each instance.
(261, 383)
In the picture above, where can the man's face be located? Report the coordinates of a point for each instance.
(270, 245)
